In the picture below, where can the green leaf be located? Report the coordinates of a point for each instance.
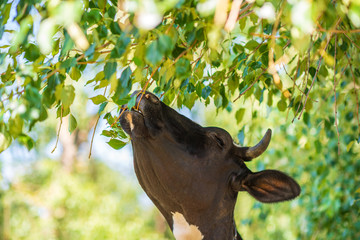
(66, 94)
(348, 147)
(5, 140)
(206, 92)
(102, 107)
(70, 62)
(25, 140)
(108, 133)
(183, 68)
(153, 54)
(98, 99)
(15, 126)
(239, 115)
(189, 100)
(90, 51)
(116, 144)
(109, 69)
(251, 45)
(72, 123)
(120, 47)
(166, 44)
(93, 17)
(123, 87)
(75, 73)
(281, 105)
(132, 102)
(32, 52)
(67, 45)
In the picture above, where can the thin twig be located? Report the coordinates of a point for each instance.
(244, 10)
(314, 78)
(317, 70)
(294, 80)
(252, 84)
(197, 60)
(117, 119)
(175, 99)
(338, 31)
(84, 63)
(50, 74)
(287, 44)
(352, 41)
(58, 133)
(142, 92)
(93, 135)
(335, 107)
(297, 87)
(356, 95)
(183, 53)
(247, 14)
(255, 49)
(98, 48)
(265, 36)
(305, 79)
(17, 93)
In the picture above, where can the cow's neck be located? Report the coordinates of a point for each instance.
(205, 229)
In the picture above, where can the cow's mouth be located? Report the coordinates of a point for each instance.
(136, 110)
(144, 118)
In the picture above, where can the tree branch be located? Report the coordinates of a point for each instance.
(314, 78)
(252, 84)
(335, 103)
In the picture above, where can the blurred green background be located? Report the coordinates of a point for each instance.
(44, 196)
(56, 55)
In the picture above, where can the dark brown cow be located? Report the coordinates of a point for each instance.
(193, 174)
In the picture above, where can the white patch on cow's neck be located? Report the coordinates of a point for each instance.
(129, 118)
(183, 230)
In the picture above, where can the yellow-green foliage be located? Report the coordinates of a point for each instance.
(93, 202)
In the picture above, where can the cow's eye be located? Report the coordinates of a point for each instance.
(219, 141)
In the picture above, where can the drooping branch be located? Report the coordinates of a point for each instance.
(355, 90)
(314, 78)
(335, 103)
(252, 84)
(305, 79)
(271, 67)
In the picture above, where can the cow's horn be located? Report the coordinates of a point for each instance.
(259, 148)
(248, 153)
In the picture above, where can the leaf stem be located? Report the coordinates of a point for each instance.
(58, 133)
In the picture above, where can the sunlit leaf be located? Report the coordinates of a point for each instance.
(98, 99)
(116, 144)
(72, 123)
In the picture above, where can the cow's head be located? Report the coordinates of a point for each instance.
(193, 173)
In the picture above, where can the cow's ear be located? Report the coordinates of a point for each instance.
(268, 186)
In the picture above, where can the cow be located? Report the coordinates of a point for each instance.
(193, 174)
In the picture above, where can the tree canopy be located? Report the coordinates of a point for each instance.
(292, 65)
(295, 53)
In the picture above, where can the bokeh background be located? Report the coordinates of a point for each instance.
(66, 195)
(55, 191)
